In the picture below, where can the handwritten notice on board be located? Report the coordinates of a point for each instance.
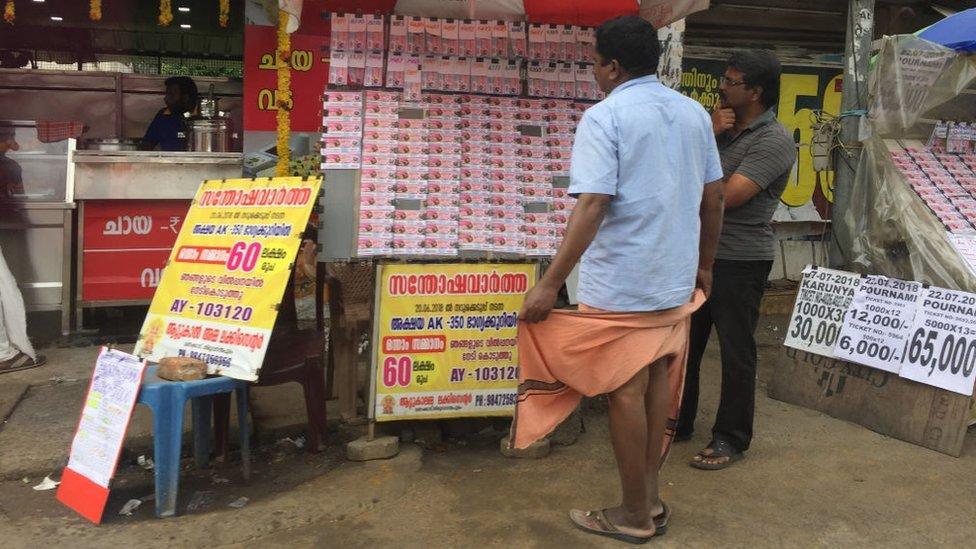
(98, 441)
(878, 323)
(818, 314)
(105, 417)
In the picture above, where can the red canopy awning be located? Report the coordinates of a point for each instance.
(563, 12)
(589, 13)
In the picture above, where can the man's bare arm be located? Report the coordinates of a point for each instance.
(739, 189)
(711, 213)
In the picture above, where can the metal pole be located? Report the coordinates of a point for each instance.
(860, 32)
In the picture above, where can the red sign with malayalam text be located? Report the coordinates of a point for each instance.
(129, 224)
(123, 275)
(126, 245)
(309, 76)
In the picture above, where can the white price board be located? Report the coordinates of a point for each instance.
(818, 314)
(942, 348)
(878, 323)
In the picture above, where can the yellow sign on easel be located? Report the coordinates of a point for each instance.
(218, 296)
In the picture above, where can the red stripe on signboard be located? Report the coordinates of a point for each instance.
(203, 254)
(415, 344)
(84, 496)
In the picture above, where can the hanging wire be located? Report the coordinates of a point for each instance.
(829, 124)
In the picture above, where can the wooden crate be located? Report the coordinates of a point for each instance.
(883, 402)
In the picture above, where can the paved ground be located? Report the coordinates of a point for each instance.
(809, 481)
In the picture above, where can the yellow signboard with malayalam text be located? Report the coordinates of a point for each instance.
(445, 339)
(219, 294)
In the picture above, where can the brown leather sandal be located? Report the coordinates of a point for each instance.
(21, 362)
(596, 522)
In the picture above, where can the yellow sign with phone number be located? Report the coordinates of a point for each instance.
(445, 339)
(218, 296)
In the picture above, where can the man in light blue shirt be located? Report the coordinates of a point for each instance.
(648, 147)
(647, 175)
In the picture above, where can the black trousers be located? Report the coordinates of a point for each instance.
(733, 308)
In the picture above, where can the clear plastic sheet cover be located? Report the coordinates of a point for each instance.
(890, 229)
(894, 233)
(911, 77)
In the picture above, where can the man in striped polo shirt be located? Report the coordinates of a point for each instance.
(757, 156)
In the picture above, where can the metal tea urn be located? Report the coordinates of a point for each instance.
(210, 130)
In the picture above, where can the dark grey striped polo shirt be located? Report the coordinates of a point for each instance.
(764, 152)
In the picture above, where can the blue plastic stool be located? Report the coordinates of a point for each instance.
(167, 399)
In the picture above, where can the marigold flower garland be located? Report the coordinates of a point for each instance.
(95, 10)
(8, 12)
(224, 13)
(284, 102)
(165, 13)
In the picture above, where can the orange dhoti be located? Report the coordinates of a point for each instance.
(592, 352)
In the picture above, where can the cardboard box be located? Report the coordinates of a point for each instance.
(881, 401)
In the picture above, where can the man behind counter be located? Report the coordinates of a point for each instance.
(168, 129)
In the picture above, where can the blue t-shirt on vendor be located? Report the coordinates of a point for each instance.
(652, 150)
(166, 130)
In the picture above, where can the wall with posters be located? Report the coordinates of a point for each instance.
(803, 89)
(446, 339)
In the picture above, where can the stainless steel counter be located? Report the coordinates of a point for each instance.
(126, 175)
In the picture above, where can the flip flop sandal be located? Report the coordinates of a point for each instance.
(21, 362)
(720, 448)
(604, 527)
(661, 520)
